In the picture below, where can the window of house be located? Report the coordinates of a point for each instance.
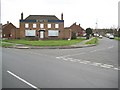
(30, 32)
(56, 25)
(26, 25)
(53, 32)
(49, 25)
(41, 25)
(34, 25)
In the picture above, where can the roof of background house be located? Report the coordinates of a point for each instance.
(41, 17)
(5, 25)
(76, 26)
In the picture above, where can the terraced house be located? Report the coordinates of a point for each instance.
(43, 27)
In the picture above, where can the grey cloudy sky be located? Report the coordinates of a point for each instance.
(85, 12)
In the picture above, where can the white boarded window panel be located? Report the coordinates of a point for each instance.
(26, 25)
(30, 32)
(53, 32)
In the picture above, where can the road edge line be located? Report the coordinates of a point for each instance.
(33, 86)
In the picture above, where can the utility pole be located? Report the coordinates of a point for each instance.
(96, 26)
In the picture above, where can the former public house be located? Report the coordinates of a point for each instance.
(43, 27)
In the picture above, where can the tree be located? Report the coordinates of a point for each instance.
(88, 32)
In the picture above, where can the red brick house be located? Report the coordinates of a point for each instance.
(43, 27)
(10, 31)
(77, 29)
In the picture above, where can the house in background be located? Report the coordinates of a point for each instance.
(43, 27)
(76, 29)
(10, 31)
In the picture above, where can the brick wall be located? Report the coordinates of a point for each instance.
(62, 33)
(10, 31)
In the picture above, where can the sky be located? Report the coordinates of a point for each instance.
(84, 12)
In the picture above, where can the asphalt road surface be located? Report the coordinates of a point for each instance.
(90, 67)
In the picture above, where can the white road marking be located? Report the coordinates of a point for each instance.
(109, 65)
(96, 64)
(116, 69)
(33, 86)
(72, 60)
(83, 62)
(58, 57)
(102, 65)
(78, 60)
(87, 62)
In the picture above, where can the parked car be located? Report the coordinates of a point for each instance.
(96, 35)
(107, 35)
(101, 36)
(84, 35)
(111, 37)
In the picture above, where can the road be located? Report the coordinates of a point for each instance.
(90, 67)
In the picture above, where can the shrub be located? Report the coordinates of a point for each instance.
(73, 35)
(31, 38)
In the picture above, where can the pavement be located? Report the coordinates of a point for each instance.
(79, 45)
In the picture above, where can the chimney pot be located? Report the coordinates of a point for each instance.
(7, 22)
(62, 16)
(22, 16)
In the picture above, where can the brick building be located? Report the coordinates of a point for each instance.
(76, 29)
(43, 27)
(10, 31)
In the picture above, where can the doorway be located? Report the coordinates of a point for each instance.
(41, 34)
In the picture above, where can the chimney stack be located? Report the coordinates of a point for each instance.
(62, 16)
(7, 22)
(22, 16)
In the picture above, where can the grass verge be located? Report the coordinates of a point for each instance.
(6, 44)
(46, 42)
(117, 38)
(92, 41)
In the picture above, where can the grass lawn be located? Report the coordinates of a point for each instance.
(92, 41)
(117, 38)
(6, 45)
(46, 42)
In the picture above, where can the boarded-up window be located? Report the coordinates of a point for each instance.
(30, 32)
(53, 32)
